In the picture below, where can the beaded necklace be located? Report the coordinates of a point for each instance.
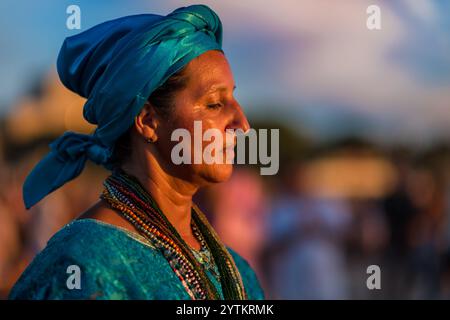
(204, 254)
(125, 194)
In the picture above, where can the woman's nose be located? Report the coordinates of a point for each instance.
(239, 119)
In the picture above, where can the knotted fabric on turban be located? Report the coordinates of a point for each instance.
(116, 65)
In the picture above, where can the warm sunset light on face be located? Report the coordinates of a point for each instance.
(230, 150)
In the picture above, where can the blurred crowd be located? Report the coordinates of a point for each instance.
(310, 232)
(340, 203)
(313, 232)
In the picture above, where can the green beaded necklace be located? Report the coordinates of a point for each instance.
(125, 194)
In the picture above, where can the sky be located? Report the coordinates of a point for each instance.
(312, 63)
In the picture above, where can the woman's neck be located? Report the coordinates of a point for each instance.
(173, 195)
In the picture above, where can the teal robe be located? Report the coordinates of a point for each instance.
(114, 264)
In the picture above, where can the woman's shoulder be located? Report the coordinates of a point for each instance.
(94, 234)
(249, 278)
(101, 254)
(90, 240)
(92, 249)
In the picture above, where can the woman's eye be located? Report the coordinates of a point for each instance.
(214, 105)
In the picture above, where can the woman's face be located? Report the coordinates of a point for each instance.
(208, 98)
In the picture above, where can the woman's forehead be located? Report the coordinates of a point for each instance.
(210, 73)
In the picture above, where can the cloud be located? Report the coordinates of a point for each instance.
(310, 53)
(328, 55)
(423, 10)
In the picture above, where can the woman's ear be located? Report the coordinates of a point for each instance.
(147, 122)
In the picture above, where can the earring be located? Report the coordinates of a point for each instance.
(149, 140)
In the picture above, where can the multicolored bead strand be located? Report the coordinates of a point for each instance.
(126, 195)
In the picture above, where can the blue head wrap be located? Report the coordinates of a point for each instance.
(116, 65)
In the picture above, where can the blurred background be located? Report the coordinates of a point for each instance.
(364, 125)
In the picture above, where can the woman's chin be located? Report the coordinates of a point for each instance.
(217, 173)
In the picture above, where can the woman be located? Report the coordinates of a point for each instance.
(143, 76)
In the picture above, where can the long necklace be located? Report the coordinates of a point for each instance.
(125, 194)
(204, 255)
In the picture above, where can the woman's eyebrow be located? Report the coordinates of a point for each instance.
(215, 88)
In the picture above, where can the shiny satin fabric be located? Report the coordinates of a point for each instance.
(116, 264)
(116, 65)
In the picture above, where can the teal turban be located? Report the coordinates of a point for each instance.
(116, 65)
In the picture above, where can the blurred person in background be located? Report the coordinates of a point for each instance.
(367, 242)
(9, 236)
(305, 248)
(240, 218)
(400, 212)
(416, 214)
(427, 231)
(445, 261)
